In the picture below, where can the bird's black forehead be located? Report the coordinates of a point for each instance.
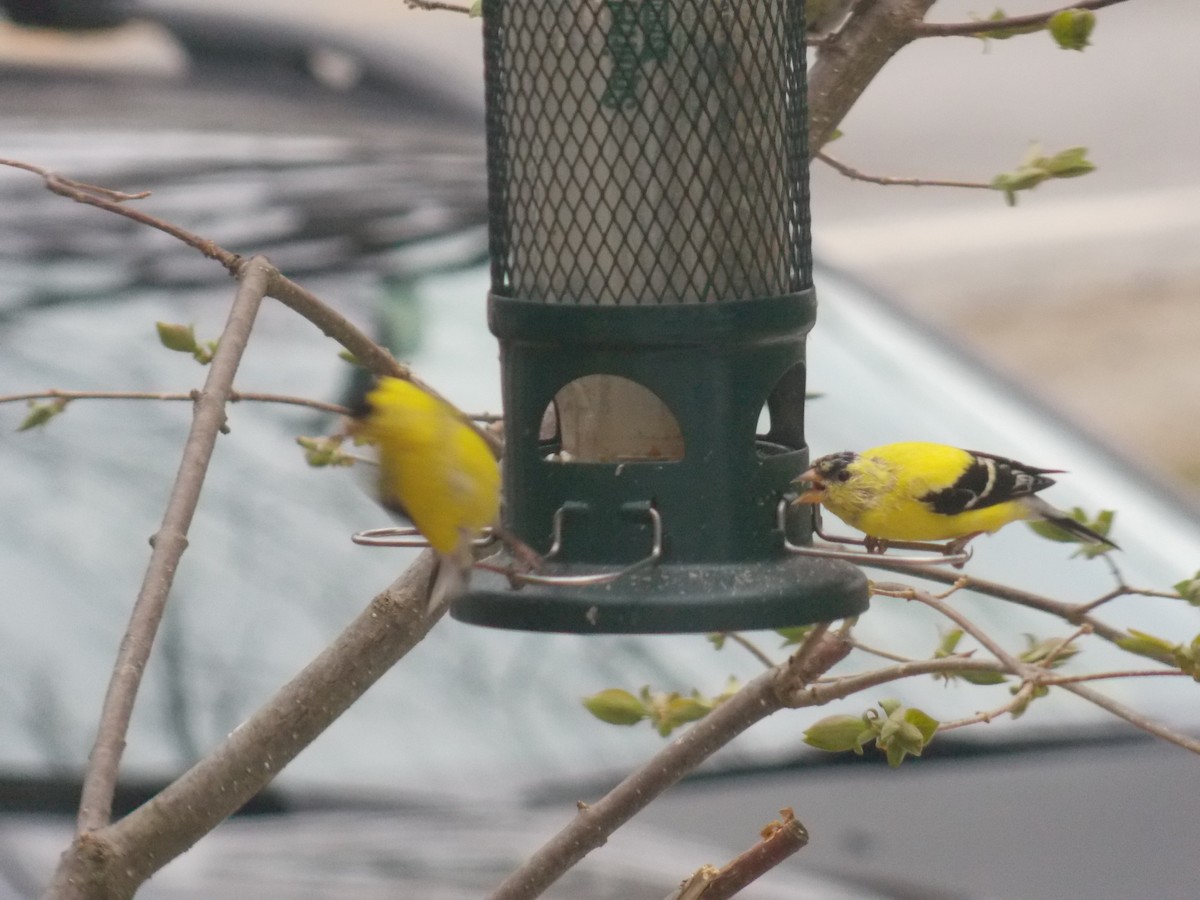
(834, 462)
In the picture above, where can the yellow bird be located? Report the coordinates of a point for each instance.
(434, 469)
(917, 491)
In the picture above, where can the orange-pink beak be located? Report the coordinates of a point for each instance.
(816, 493)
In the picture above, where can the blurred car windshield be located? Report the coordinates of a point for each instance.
(389, 227)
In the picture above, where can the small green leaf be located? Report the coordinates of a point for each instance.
(678, 710)
(177, 337)
(1001, 34)
(1069, 163)
(41, 413)
(838, 734)
(324, 451)
(1037, 651)
(1018, 709)
(1034, 168)
(948, 643)
(1148, 645)
(616, 707)
(203, 353)
(347, 356)
(476, 9)
(793, 635)
(1189, 589)
(717, 639)
(925, 724)
(1071, 28)
(889, 706)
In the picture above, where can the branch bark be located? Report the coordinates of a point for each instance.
(100, 779)
(984, 26)
(850, 59)
(113, 861)
(592, 825)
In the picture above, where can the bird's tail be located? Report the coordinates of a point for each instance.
(1043, 510)
(450, 580)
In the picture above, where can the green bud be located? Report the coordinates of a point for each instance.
(1148, 645)
(476, 10)
(793, 635)
(838, 734)
(677, 711)
(1036, 651)
(1189, 589)
(173, 336)
(1071, 28)
(616, 707)
(1069, 163)
(890, 706)
(41, 413)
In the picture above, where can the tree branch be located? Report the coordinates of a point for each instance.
(234, 397)
(982, 27)
(121, 856)
(434, 5)
(1068, 612)
(851, 58)
(594, 823)
(1036, 674)
(779, 840)
(858, 175)
(99, 783)
(369, 354)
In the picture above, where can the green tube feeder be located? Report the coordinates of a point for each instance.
(652, 293)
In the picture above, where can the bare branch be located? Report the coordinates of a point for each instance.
(1037, 675)
(780, 839)
(99, 783)
(234, 397)
(1132, 717)
(1068, 612)
(858, 175)
(851, 58)
(369, 354)
(435, 5)
(595, 822)
(123, 855)
(749, 646)
(981, 28)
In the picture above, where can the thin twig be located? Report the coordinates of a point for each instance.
(1134, 718)
(750, 647)
(882, 654)
(367, 352)
(1033, 673)
(1068, 612)
(100, 779)
(888, 181)
(234, 397)
(437, 6)
(982, 27)
(594, 822)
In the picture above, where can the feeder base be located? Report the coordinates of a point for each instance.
(667, 599)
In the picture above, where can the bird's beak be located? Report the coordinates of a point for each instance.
(816, 491)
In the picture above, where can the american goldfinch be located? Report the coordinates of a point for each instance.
(434, 469)
(918, 491)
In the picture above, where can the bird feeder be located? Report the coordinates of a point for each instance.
(651, 293)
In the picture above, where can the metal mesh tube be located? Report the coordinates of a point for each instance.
(647, 151)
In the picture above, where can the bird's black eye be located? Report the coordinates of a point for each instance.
(843, 476)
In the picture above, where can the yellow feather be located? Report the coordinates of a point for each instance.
(432, 465)
(882, 496)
